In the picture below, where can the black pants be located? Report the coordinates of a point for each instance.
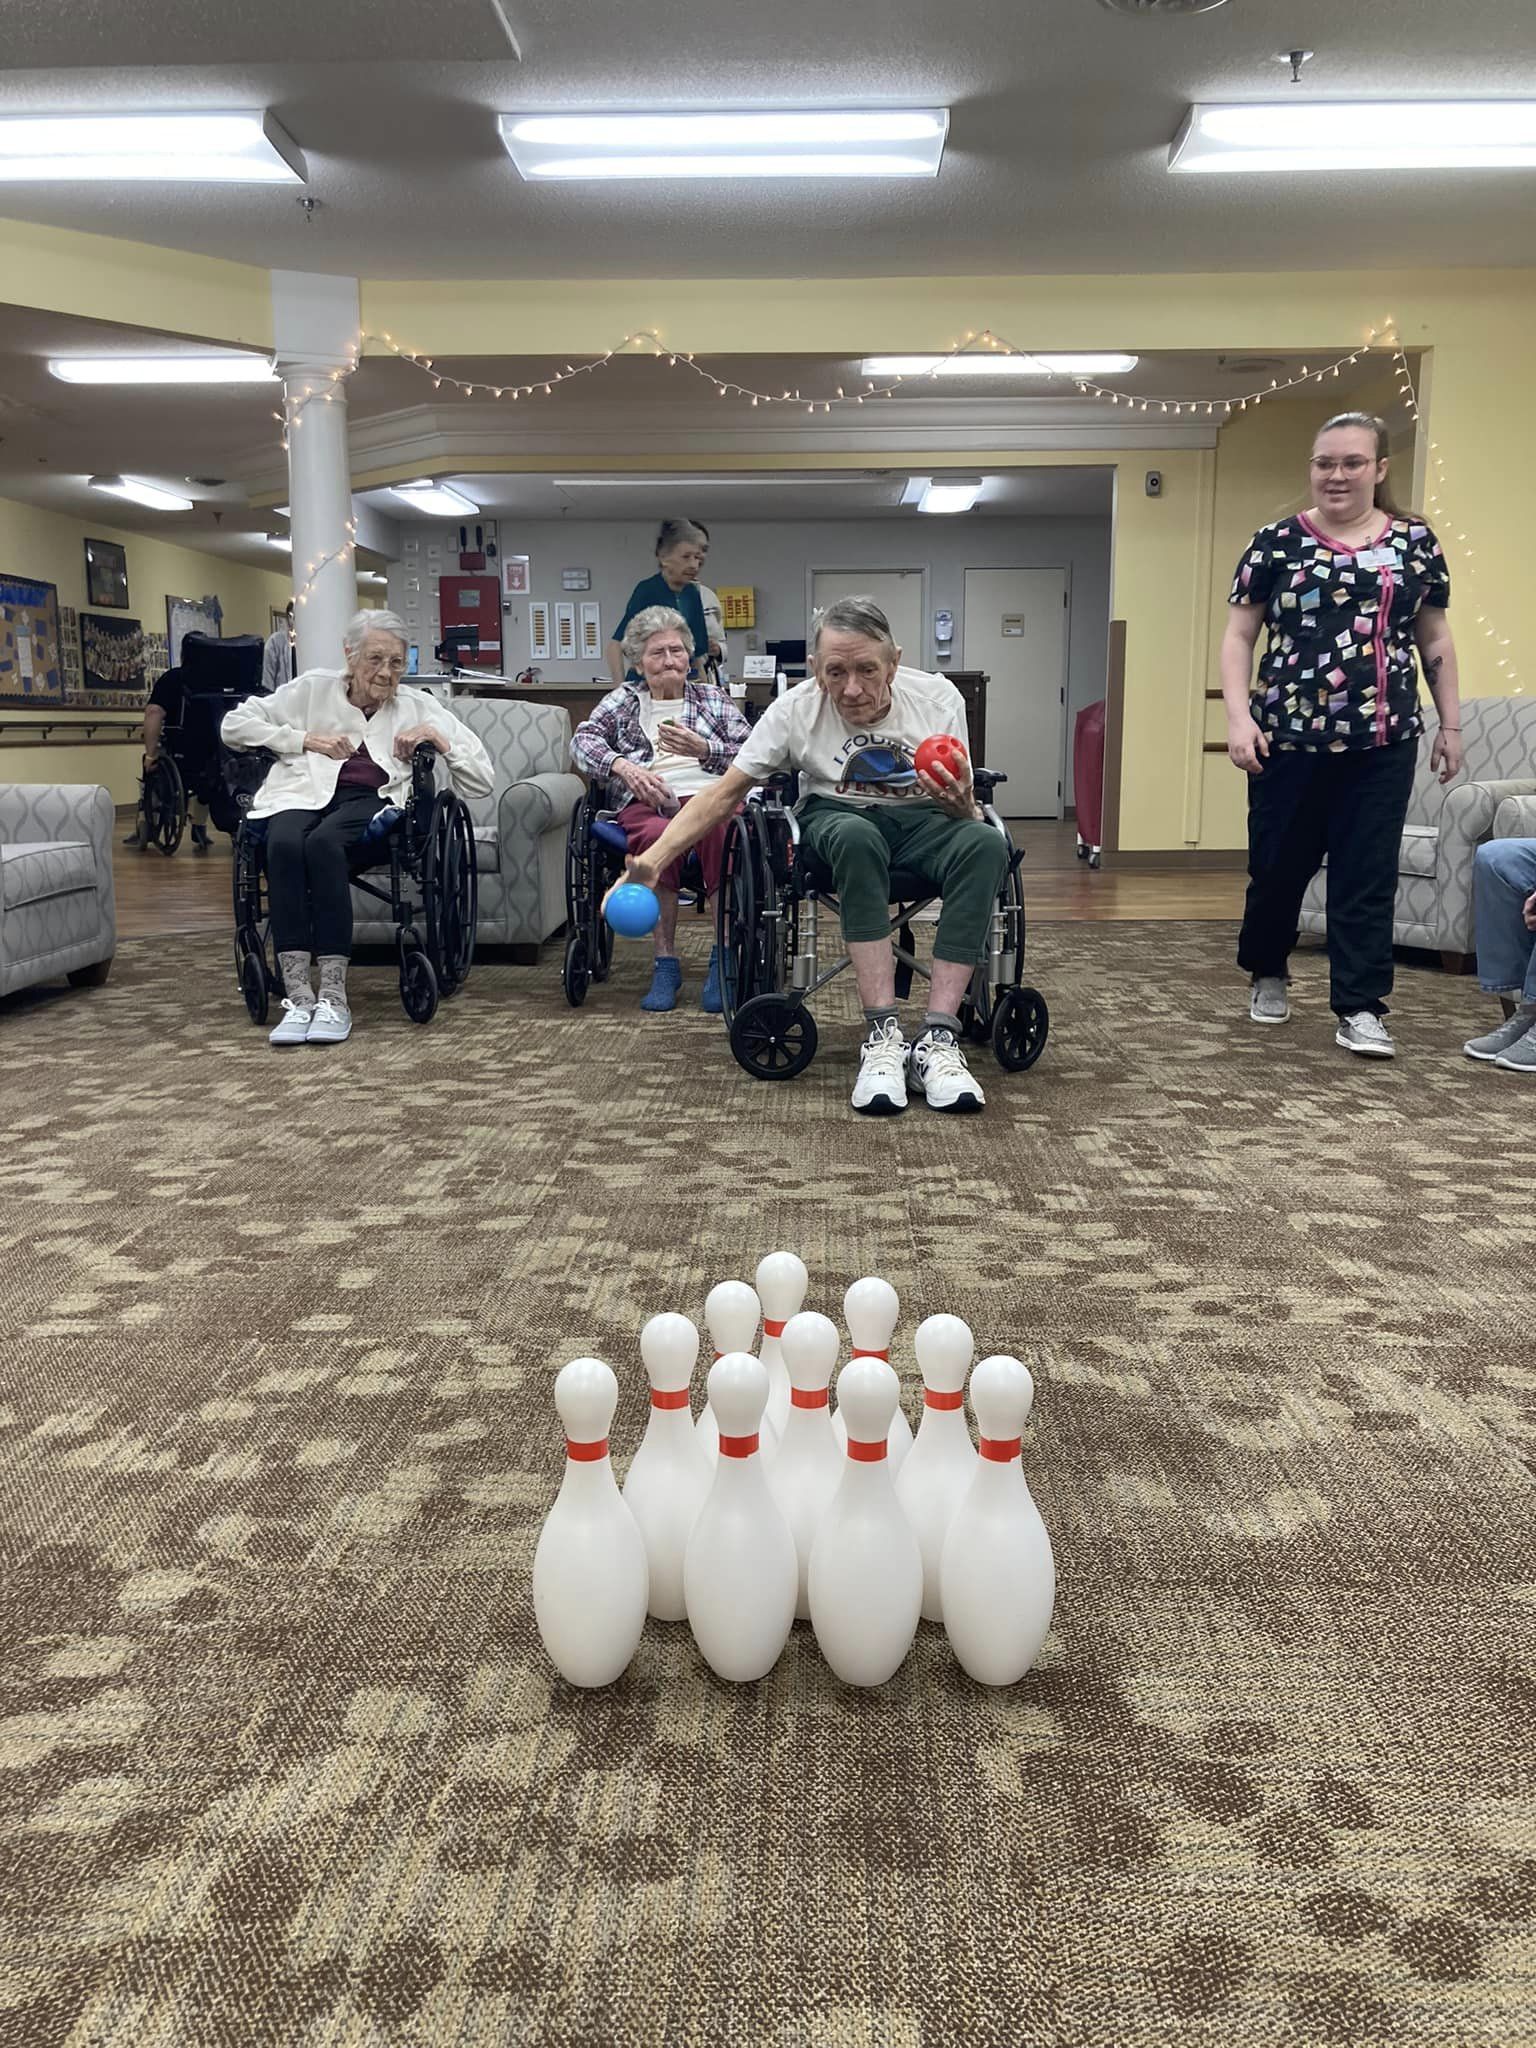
(309, 880)
(1350, 806)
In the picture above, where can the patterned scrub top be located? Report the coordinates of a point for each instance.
(1339, 668)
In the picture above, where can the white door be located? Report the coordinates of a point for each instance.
(898, 592)
(1016, 632)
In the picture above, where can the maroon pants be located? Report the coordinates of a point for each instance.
(643, 827)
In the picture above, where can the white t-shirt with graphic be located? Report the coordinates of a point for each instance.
(683, 775)
(803, 730)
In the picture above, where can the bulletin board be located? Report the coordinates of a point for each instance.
(31, 668)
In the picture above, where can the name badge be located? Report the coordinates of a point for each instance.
(1378, 558)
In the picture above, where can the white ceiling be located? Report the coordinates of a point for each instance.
(1062, 114)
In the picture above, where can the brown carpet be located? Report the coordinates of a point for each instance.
(280, 1758)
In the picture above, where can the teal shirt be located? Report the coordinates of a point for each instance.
(655, 590)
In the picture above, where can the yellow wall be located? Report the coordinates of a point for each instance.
(99, 277)
(51, 548)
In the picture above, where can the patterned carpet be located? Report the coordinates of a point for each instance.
(280, 1758)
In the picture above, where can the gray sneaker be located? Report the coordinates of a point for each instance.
(331, 1024)
(1520, 1058)
(1363, 1032)
(1269, 1003)
(1509, 1033)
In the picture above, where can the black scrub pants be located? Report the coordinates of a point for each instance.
(1305, 803)
(309, 880)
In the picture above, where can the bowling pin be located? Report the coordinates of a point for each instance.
(781, 1283)
(942, 1463)
(739, 1570)
(870, 1309)
(590, 1578)
(866, 1576)
(669, 1474)
(731, 1316)
(997, 1576)
(804, 1475)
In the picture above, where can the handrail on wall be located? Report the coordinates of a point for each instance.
(70, 732)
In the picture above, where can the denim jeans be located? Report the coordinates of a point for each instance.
(1502, 878)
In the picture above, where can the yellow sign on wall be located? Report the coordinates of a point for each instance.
(738, 606)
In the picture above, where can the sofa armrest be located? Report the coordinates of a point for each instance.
(66, 810)
(526, 814)
(1515, 818)
(529, 806)
(1466, 820)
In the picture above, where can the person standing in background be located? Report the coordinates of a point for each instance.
(714, 612)
(277, 657)
(680, 551)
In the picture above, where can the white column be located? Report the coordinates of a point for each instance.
(316, 322)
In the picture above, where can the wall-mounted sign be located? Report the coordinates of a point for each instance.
(565, 632)
(1013, 625)
(575, 579)
(591, 631)
(538, 630)
(738, 607)
(514, 575)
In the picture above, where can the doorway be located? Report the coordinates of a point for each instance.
(1016, 632)
(900, 593)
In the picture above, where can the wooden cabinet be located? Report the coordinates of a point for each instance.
(972, 685)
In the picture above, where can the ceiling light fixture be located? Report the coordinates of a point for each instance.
(954, 494)
(1358, 135)
(868, 142)
(141, 493)
(281, 540)
(233, 148)
(205, 369)
(426, 496)
(668, 481)
(912, 493)
(997, 366)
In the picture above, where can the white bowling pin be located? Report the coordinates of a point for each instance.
(804, 1475)
(997, 1577)
(732, 1313)
(871, 1309)
(866, 1576)
(739, 1570)
(669, 1475)
(590, 1578)
(781, 1283)
(942, 1464)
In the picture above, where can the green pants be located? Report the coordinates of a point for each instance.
(960, 859)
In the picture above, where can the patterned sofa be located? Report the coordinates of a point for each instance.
(520, 828)
(57, 910)
(1446, 826)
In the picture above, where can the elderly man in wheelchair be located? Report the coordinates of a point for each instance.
(351, 775)
(866, 812)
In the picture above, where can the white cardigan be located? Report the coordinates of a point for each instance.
(317, 701)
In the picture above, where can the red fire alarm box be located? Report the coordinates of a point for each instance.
(473, 601)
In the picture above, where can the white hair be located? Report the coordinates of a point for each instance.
(644, 626)
(362, 623)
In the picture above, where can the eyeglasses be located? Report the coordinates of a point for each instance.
(1345, 465)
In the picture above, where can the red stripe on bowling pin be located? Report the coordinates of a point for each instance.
(662, 1399)
(808, 1397)
(857, 1353)
(867, 1454)
(1001, 1449)
(586, 1454)
(933, 1399)
(738, 1446)
(771, 1328)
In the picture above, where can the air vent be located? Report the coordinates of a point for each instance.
(1161, 6)
(1251, 366)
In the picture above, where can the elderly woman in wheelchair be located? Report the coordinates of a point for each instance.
(882, 824)
(656, 747)
(348, 762)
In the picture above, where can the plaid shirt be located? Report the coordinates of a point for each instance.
(614, 732)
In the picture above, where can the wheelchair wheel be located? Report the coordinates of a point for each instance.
(450, 893)
(576, 974)
(736, 923)
(418, 980)
(162, 806)
(978, 1009)
(1020, 1028)
(251, 966)
(773, 1037)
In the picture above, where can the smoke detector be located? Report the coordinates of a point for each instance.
(1161, 6)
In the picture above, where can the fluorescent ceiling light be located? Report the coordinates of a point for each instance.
(989, 365)
(667, 482)
(1368, 135)
(204, 369)
(281, 540)
(915, 488)
(950, 497)
(860, 142)
(247, 148)
(141, 493)
(426, 496)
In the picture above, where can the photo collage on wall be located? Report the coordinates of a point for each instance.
(113, 651)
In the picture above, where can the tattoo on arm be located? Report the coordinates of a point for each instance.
(1432, 670)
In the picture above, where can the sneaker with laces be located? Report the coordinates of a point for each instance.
(332, 1022)
(1508, 1034)
(294, 1027)
(1269, 1003)
(881, 1089)
(938, 1068)
(1520, 1058)
(1362, 1031)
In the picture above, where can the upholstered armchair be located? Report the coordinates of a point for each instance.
(1446, 825)
(57, 909)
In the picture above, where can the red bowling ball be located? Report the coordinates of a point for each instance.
(941, 750)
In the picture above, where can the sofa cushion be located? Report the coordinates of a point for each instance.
(1416, 855)
(35, 870)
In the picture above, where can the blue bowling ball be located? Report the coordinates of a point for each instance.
(632, 910)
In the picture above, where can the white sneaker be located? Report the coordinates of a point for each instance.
(1509, 1033)
(332, 1023)
(881, 1089)
(294, 1028)
(1269, 1003)
(1363, 1032)
(938, 1068)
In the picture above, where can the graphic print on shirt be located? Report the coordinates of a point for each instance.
(872, 766)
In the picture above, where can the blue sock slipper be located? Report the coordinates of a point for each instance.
(666, 980)
(709, 996)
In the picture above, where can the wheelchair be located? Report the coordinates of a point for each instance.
(194, 764)
(428, 847)
(772, 894)
(595, 852)
(161, 817)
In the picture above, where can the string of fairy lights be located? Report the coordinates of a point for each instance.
(324, 387)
